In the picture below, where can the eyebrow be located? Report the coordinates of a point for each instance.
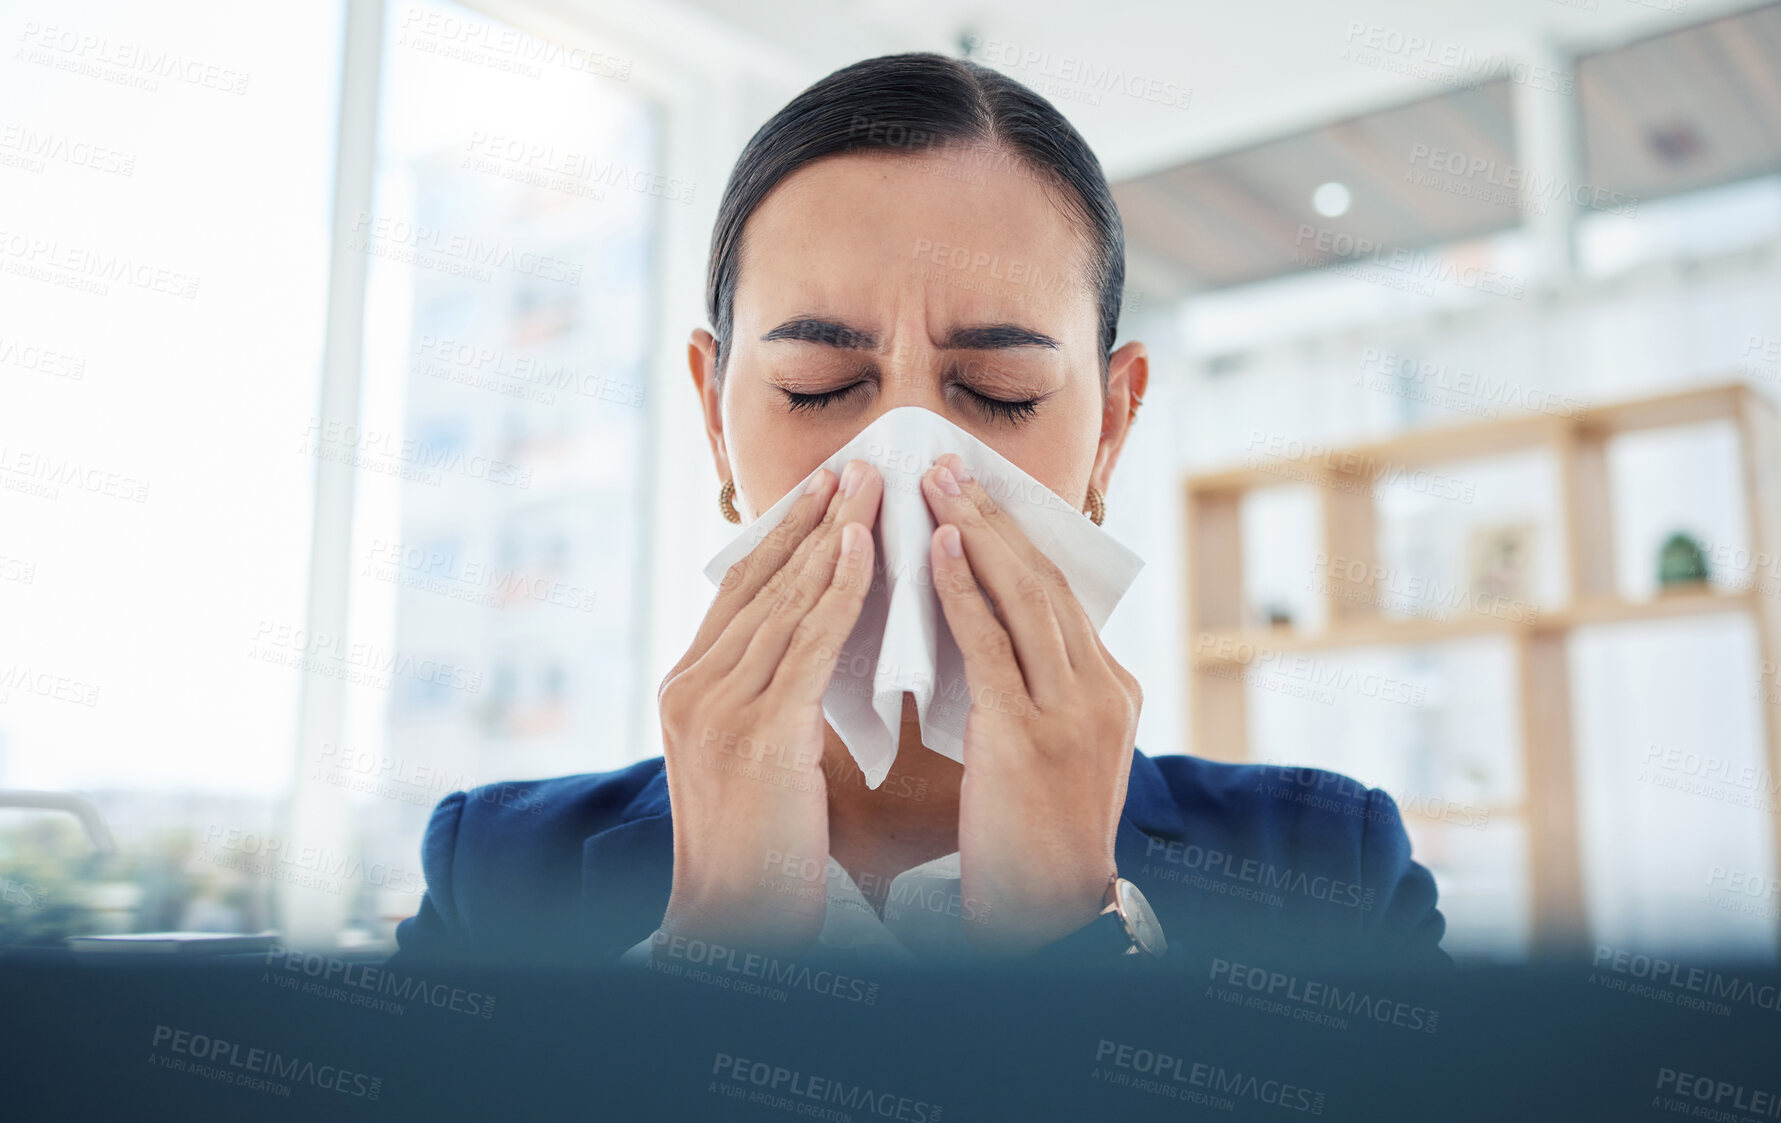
(977, 337)
(828, 333)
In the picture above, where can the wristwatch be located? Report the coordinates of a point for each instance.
(1126, 926)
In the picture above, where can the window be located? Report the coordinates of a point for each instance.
(509, 281)
(153, 601)
(509, 246)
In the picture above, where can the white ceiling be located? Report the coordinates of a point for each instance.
(1695, 107)
(1256, 70)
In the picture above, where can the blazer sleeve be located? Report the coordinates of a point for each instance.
(1406, 926)
(434, 934)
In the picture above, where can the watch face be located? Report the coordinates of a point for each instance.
(1140, 921)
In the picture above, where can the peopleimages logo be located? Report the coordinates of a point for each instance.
(38, 147)
(799, 1092)
(1313, 673)
(371, 986)
(31, 357)
(48, 259)
(284, 860)
(1737, 783)
(431, 569)
(252, 1066)
(1681, 984)
(1332, 791)
(1339, 251)
(44, 684)
(1312, 462)
(467, 249)
(1722, 1094)
(1094, 77)
(360, 662)
(123, 62)
(1309, 999)
(515, 375)
(1520, 181)
(1447, 63)
(501, 47)
(1181, 1078)
(390, 453)
(543, 165)
(1468, 384)
(413, 781)
(753, 972)
(1232, 867)
(1351, 578)
(46, 474)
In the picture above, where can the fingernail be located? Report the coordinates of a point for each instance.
(850, 478)
(948, 482)
(949, 541)
(959, 470)
(814, 484)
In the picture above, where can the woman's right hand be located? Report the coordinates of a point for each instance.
(742, 725)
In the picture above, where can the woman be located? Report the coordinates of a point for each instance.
(916, 230)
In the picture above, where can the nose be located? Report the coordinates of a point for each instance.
(923, 391)
(910, 365)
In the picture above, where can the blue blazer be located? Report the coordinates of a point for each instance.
(1263, 865)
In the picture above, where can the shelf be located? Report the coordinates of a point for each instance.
(1317, 463)
(1227, 647)
(1347, 480)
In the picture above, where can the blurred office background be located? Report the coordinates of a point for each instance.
(350, 458)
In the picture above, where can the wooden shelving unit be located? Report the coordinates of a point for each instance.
(1218, 640)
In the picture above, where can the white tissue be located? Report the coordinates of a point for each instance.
(901, 641)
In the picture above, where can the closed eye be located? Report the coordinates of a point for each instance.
(796, 400)
(994, 409)
(998, 409)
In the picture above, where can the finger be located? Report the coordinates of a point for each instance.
(769, 621)
(1022, 598)
(749, 579)
(746, 578)
(1081, 642)
(987, 648)
(734, 636)
(803, 674)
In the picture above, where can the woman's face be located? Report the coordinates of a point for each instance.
(874, 281)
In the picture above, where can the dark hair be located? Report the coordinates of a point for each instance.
(906, 103)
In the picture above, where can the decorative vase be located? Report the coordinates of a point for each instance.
(1681, 563)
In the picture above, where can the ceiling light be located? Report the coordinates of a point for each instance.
(1331, 200)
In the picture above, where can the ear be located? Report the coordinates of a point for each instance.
(1128, 376)
(701, 358)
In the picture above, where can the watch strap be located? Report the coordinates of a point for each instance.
(1102, 940)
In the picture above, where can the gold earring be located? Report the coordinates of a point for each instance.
(1097, 505)
(726, 501)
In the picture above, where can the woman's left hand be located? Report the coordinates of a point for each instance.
(1048, 745)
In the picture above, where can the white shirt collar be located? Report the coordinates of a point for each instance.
(923, 914)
